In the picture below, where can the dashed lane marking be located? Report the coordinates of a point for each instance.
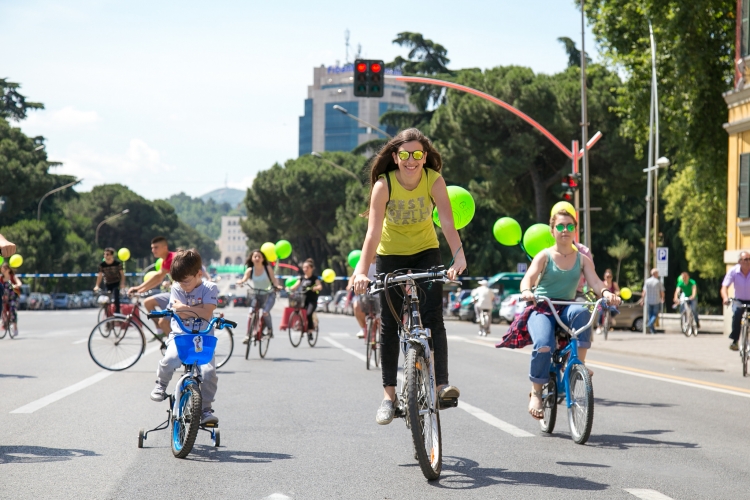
(647, 494)
(81, 341)
(636, 372)
(57, 396)
(471, 410)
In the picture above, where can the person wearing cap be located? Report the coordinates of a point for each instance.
(484, 298)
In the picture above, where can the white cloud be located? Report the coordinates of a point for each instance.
(62, 118)
(243, 183)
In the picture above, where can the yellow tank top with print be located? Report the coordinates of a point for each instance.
(407, 226)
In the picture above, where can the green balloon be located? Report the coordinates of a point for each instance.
(158, 263)
(353, 257)
(2, 260)
(283, 249)
(290, 281)
(462, 205)
(507, 231)
(537, 238)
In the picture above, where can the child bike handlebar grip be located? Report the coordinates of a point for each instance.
(158, 314)
(230, 323)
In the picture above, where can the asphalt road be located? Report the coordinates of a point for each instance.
(301, 424)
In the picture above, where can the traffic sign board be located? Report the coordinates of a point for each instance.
(662, 261)
(521, 267)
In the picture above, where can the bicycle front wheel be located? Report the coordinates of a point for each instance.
(185, 427)
(685, 322)
(581, 410)
(369, 341)
(424, 420)
(252, 324)
(296, 328)
(121, 348)
(224, 346)
(549, 398)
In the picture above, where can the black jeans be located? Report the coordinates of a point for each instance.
(737, 321)
(310, 307)
(430, 309)
(115, 289)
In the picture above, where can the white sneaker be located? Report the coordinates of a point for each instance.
(13, 330)
(385, 413)
(159, 393)
(208, 417)
(361, 334)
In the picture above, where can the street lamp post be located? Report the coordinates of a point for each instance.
(39, 208)
(584, 136)
(334, 165)
(344, 110)
(107, 220)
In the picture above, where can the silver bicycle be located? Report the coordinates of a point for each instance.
(417, 400)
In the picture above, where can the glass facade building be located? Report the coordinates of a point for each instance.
(305, 129)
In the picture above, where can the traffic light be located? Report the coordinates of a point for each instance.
(368, 78)
(570, 184)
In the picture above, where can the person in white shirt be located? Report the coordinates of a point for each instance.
(484, 297)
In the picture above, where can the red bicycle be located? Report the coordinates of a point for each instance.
(296, 321)
(256, 333)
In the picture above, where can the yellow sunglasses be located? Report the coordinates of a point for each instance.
(404, 155)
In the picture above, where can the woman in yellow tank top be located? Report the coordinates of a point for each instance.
(405, 186)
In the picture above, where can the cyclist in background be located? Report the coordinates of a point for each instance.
(311, 286)
(10, 289)
(405, 185)
(193, 300)
(114, 276)
(739, 276)
(359, 313)
(686, 285)
(484, 300)
(160, 250)
(260, 272)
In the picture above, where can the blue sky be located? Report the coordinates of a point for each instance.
(178, 96)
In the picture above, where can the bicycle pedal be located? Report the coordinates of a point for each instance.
(446, 403)
(210, 426)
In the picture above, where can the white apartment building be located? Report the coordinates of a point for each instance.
(232, 242)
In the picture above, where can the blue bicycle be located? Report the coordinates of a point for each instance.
(184, 414)
(570, 380)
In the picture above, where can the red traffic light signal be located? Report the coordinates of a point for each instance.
(369, 78)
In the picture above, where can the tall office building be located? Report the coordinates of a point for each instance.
(322, 128)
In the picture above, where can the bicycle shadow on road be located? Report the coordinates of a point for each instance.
(205, 453)
(465, 474)
(625, 442)
(13, 375)
(39, 454)
(629, 404)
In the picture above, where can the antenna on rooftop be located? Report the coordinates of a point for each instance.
(346, 37)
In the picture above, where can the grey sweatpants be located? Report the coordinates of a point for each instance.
(171, 361)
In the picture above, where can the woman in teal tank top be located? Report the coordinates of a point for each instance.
(556, 272)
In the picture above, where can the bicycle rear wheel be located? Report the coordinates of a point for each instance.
(263, 340)
(121, 348)
(312, 335)
(185, 428)
(424, 420)
(581, 411)
(224, 346)
(369, 341)
(252, 323)
(296, 328)
(549, 398)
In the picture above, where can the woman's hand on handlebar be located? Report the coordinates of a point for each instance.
(612, 298)
(528, 296)
(459, 266)
(361, 282)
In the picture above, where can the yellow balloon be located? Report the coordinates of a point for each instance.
(329, 275)
(15, 260)
(563, 205)
(149, 275)
(123, 254)
(626, 293)
(269, 250)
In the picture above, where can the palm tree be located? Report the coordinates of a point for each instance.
(621, 250)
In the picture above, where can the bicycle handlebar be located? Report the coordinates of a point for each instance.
(378, 285)
(220, 323)
(551, 303)
(740, 303)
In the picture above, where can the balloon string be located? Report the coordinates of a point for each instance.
(520, 243)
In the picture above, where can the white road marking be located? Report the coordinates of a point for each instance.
(339, 335)
(647, 494)
(81, 341)
(471, 410)
(493, 421)
(277, 496)
(56, 396)
(634, 372)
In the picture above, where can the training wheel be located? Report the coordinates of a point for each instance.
(141, 437)
(217, 438)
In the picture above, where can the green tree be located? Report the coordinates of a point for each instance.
(694, 60)
(204, 216)
(13, 105)
(620, 251)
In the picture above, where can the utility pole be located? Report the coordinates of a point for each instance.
(585, 136)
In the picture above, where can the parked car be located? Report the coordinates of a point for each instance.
(222, 301)
(323, 302)
(35, 301)
(631, 314)
(76, 301)
(87, 298)
(508, 307)
(62, 301)
(23, 298)
(47, 302)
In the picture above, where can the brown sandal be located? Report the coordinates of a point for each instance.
(536, 413)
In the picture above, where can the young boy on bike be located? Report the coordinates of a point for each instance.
(193, 300)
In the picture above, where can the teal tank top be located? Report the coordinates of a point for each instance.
(557, 283)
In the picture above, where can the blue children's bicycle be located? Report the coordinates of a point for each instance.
(185, 405)
(570, 380)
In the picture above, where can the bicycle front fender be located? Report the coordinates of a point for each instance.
(179, 387)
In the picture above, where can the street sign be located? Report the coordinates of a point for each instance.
(521, 267)
(662, 261)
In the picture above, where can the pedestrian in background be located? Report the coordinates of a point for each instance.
(114, 277)
(739, 276)
(653, 294)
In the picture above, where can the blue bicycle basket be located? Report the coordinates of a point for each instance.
(197, 349)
